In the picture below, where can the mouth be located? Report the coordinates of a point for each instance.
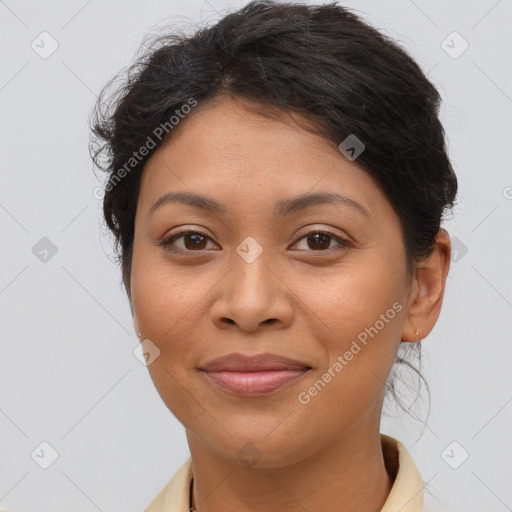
(255, 383)
(257, 375)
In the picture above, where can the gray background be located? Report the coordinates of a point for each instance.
(68, 373)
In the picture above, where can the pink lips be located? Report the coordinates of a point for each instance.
(253, 375)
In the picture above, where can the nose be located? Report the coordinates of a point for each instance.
(253, 296)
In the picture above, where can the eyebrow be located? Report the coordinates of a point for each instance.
(283, 208)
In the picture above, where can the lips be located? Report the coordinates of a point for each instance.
(258, 362)
(253, 375)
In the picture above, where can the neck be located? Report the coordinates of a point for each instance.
(348, 477)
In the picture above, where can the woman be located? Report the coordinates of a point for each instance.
(276, 187)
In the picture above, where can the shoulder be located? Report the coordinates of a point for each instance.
(175, 495)
(409, 492)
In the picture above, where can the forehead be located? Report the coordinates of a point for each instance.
(223, 149)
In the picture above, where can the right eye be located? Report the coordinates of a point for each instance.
(193, 241)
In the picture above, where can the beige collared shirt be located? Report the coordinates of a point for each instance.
(406, 494)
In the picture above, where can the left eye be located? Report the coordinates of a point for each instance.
(195, 241)
(321, 240)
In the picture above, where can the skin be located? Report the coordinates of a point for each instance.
(296, 299)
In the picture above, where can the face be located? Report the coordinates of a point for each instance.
(321, 282)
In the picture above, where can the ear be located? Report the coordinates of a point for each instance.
(135, 323)
(130, 302)
(427, 291)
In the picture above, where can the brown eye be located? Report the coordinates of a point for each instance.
(321, 241)
(195, 241)
(192, 241)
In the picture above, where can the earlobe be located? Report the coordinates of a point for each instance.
(427, 292)
(135, 324)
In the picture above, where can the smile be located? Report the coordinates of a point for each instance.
(254, 383)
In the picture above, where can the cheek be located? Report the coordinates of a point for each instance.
(165, 297)
(166, 303)
(353, 298)
(361, 313)
(364, 318)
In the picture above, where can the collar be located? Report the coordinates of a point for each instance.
(406, 494)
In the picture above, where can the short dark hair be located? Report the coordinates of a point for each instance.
(320, 61)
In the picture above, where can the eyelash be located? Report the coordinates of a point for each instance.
(167, 243)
